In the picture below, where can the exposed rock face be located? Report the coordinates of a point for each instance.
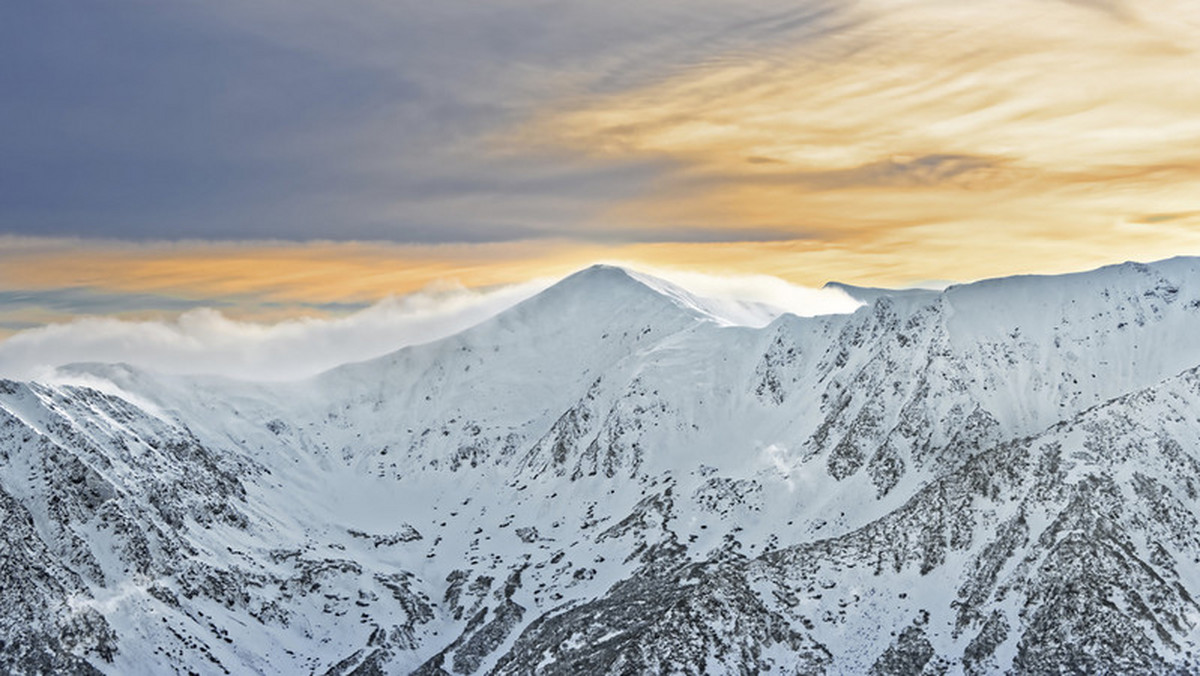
(1002, 477)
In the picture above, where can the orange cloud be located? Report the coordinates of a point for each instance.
(927, 127)
(312, 273)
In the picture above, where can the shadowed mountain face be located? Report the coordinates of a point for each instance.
(610, 478)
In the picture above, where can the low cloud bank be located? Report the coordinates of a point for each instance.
(205, 341)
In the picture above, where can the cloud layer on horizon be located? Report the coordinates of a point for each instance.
(205, 341)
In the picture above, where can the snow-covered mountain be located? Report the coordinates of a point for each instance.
(617, 476)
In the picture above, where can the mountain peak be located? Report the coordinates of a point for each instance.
(599, 274)
(604, 269)
(606, 280)
(601, 284)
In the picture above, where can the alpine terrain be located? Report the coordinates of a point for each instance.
(615, 477)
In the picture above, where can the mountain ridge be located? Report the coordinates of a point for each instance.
(622, 482)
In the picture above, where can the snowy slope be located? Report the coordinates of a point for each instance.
(618, 475)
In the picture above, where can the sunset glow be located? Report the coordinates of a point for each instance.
(879, 143)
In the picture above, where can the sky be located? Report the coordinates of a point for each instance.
(284, 161)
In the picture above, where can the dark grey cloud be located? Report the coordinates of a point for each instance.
(1166, 217)
(126, 119)
(362, 119)
(85, 300)
(699, 233)
(932, 170)
(924, 170)
(17, 325)
(1117, 10)
(29, 308)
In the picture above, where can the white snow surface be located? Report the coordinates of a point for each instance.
(524, 441)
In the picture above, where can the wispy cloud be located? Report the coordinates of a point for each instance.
(929, 122)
